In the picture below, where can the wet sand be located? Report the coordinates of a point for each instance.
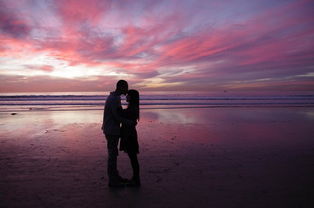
(216, 157)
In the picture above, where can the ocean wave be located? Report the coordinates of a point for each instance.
(150, 97)
(154, 101)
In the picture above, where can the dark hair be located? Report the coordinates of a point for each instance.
(134, 103)
(121, 83)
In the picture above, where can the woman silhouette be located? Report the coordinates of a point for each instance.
(129, 143)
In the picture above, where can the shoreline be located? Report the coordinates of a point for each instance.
(34, 109)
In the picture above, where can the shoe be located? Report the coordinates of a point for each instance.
(116, 184)
(123, 180)
(134, 183)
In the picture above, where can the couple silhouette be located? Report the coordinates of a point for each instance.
(120, 125)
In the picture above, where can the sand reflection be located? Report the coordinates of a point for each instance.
(169, 116)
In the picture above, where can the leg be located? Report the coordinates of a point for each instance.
(112, 146)
(135, 167)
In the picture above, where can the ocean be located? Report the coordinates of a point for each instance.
(148, 100)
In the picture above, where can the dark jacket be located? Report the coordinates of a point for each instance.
(111, 117)
(129, 141)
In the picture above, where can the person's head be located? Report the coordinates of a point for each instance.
(122, 87)
(133, 98)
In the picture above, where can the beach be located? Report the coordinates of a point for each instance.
(189, 157)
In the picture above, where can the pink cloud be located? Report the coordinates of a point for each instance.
(46, 68)
(11, 24)
(275, 41)
(49, 84)
(80, 11)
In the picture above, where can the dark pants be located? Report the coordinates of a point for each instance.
(135, 165)
(112, 146)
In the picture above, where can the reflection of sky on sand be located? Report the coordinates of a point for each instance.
(234, 125)
(230, 124)
(169, 116)
(208, 116)
(42, 120)
(310, 114)
(69, 117)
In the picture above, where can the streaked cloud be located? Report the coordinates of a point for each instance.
(157, 45)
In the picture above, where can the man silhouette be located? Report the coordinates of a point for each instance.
(111, 129)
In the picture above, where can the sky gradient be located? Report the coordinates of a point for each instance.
(87, 45)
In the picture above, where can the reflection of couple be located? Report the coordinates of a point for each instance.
(114, 115)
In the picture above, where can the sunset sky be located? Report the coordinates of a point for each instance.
(204, 45)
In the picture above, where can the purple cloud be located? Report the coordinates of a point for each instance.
(208, 43)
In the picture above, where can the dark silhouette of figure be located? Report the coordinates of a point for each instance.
(129, 141)
(111, 129)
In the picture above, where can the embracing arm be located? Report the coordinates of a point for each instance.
(119, 118)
